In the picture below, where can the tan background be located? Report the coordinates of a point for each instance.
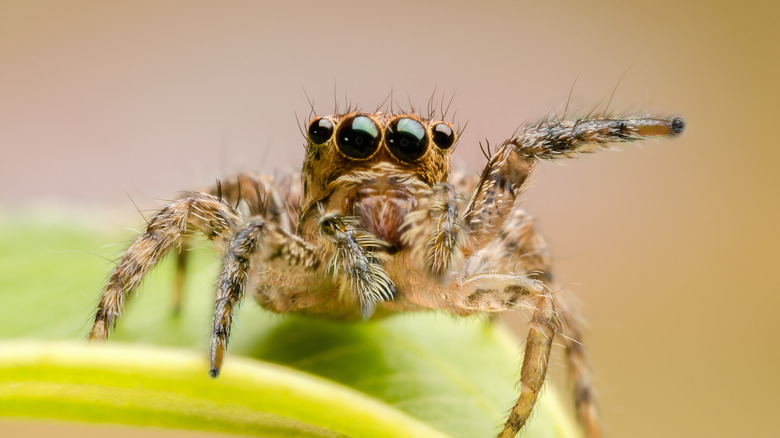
(672, 248)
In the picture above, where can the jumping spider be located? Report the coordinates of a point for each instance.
(377, 225)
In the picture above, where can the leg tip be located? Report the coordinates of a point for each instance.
(98, 332)
(678, 125)
(217, 354)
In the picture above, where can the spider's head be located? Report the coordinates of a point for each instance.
(372, 165)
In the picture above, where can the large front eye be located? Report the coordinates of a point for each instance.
(320, 131)
(406, 139)
(357, 137)
(443, 135)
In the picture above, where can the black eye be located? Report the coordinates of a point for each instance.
(320, 131)
(406, 139)
(443, 136)
(357, 137)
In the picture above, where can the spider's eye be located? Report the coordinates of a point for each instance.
(357, 137)
(320, 131)
(443, 136)
(406, 139)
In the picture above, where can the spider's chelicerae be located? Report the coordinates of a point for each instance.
(377, 224)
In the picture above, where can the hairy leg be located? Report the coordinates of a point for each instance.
(275, 199)
(496, 200)
(516, 247)
(208, 214)
(498, 292)
(273, 248)
(503, 178)
(519, 247)
(538, 346)
(579, 369)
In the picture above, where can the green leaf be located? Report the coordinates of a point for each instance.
(425, 374)
(169, 388)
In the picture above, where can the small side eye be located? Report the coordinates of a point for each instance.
(358, 137)
(406, 139)
(320, 131)
(443, 136)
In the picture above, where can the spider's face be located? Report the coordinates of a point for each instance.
(371, 166)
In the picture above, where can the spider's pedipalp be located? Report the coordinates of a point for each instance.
(210, 215)
(435, 231)
(356, 259)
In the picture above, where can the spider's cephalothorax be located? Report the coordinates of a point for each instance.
(373, 167)
(376, 224)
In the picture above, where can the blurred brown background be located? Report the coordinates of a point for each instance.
(671, 247)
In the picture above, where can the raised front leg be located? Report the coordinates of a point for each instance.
(505, 174)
